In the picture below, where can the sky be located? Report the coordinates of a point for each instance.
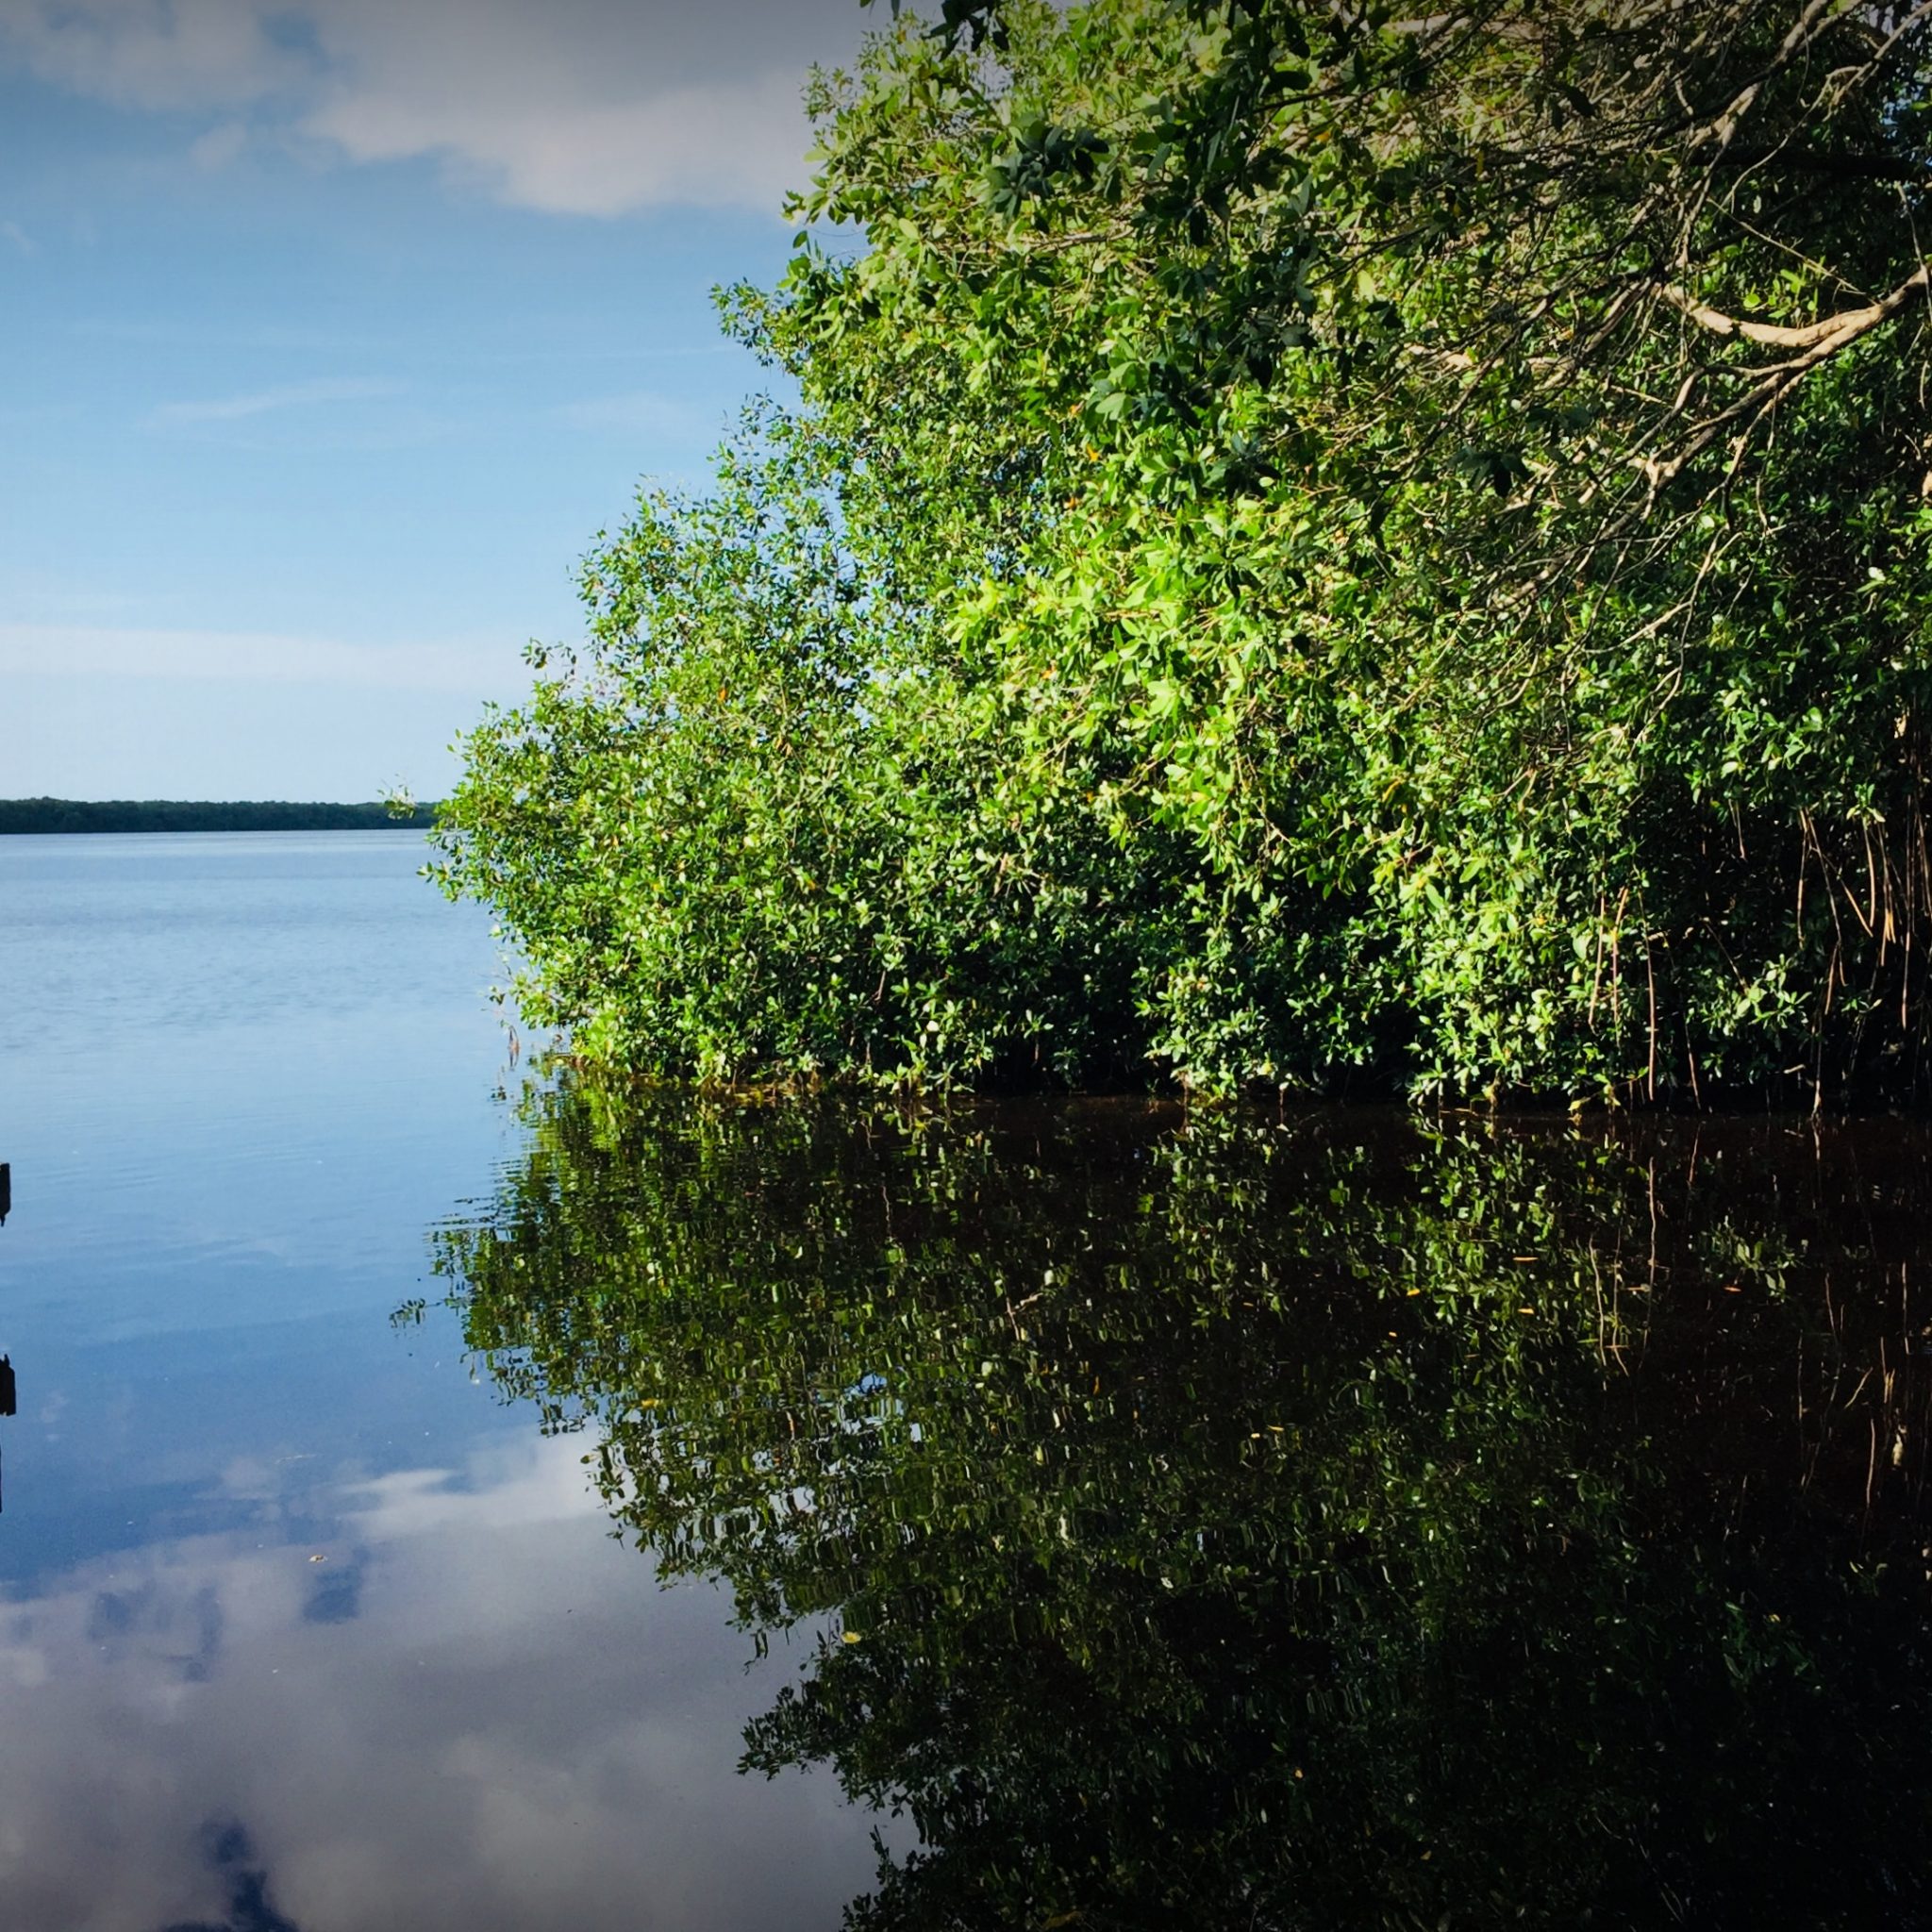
(332, 332)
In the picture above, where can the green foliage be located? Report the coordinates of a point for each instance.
(1222, 1522)
(1315, 546)
(740, 839)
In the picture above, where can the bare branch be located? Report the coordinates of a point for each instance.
(1834, 330)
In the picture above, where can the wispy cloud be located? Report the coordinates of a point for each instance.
(204, 332)
(582, 106)
(19, 236)
(263, 402)
(542, 344)
(639, 412)
(462, 665)
(214, 150)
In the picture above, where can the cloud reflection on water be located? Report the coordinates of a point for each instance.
(475, 1712)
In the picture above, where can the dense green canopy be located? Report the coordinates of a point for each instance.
(1315, 545)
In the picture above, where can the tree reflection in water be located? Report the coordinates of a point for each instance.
(1223, 1521)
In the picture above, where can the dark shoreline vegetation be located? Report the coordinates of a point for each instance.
(202, 815)
(1315, 550)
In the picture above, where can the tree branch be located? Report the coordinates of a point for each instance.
(1831, 334)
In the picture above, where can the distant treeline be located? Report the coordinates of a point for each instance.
(199, 815)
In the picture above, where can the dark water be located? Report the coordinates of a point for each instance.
(1165, 1519)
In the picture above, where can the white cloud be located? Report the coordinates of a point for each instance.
(19, 236)
(293, 395)
(581, 106)
(251, 658)
(732, 143)
(177, 54)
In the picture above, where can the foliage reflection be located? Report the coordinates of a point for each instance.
(1333, 1521)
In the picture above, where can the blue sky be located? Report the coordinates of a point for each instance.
(331, 332)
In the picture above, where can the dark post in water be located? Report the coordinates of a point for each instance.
(7, 1400)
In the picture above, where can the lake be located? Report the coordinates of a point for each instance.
(450, 1494)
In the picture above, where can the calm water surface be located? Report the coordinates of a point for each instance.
(289, 1604)
(1305, 1519)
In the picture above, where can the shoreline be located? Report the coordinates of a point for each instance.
(61, 816)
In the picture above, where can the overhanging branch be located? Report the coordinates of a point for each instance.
(1830, 335)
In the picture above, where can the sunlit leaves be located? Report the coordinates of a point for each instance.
(1328, 574)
